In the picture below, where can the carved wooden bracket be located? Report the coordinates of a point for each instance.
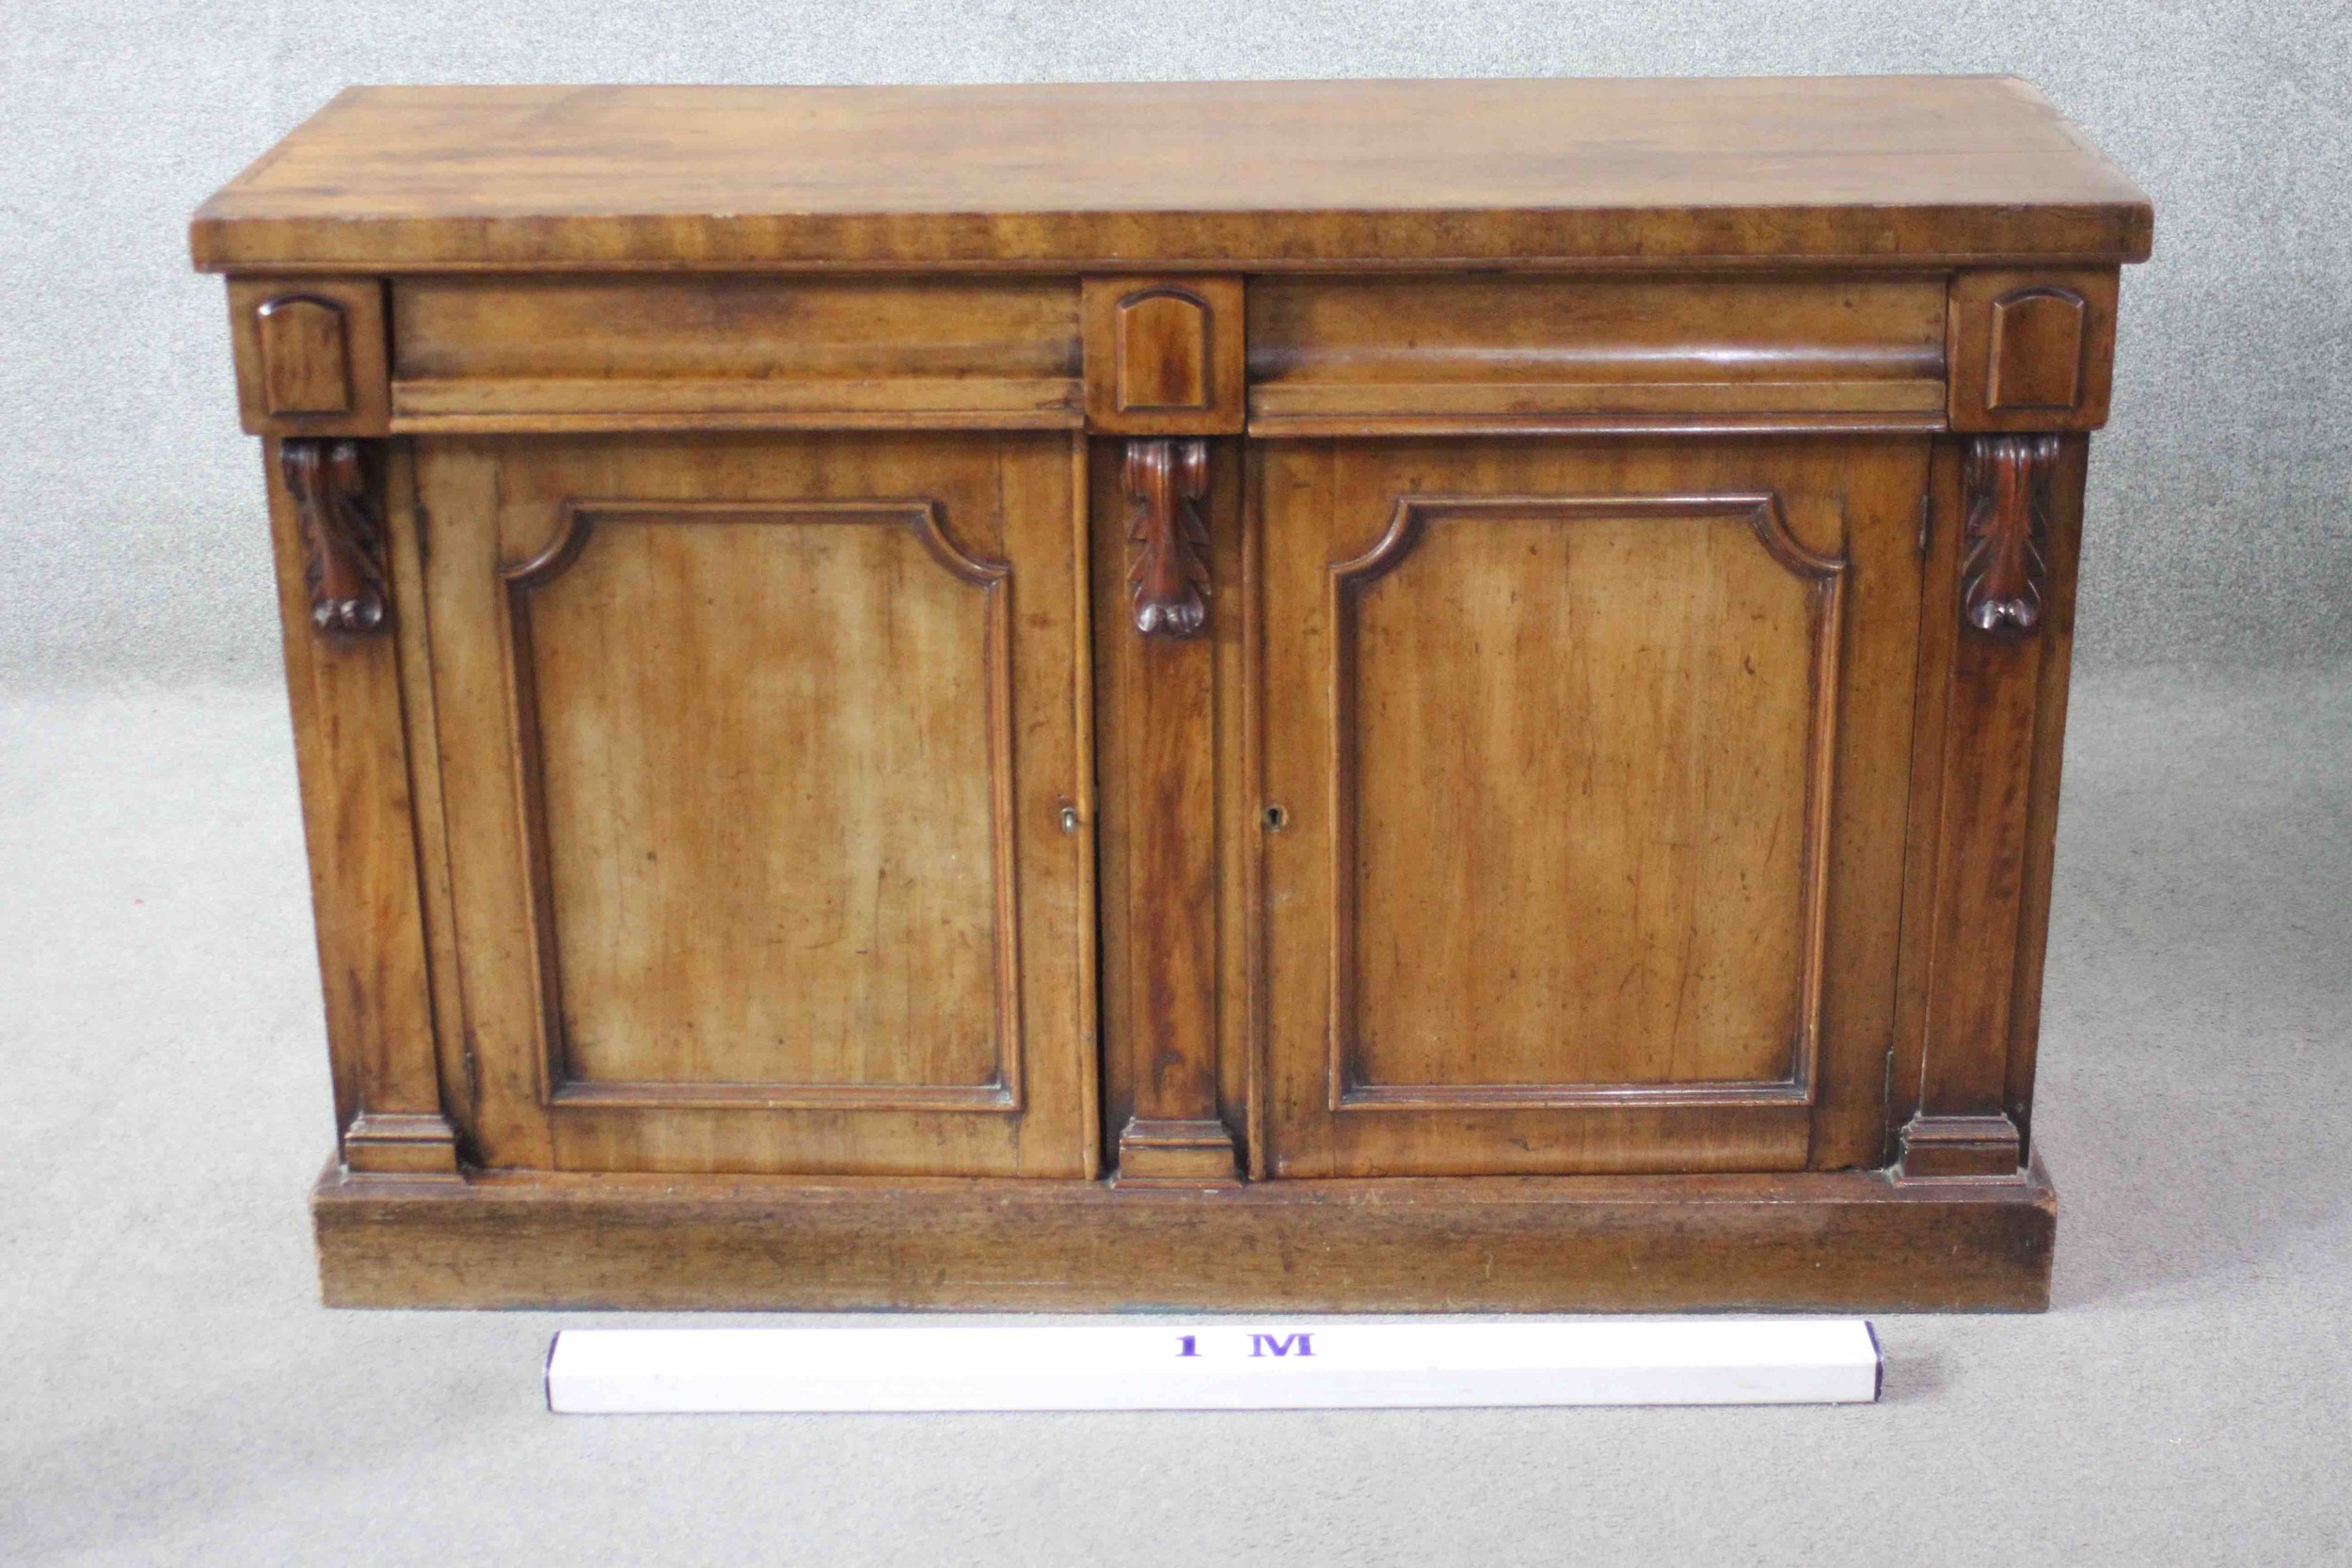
(2007, 483)
(1165, 483)
(339, 533)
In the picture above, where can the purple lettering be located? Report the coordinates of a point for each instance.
(1281, 1344)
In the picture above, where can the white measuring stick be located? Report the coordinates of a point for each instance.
(1255, 1365)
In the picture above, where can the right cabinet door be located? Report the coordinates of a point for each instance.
(1585, 769)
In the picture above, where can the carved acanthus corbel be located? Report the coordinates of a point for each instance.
(2003, 575)
(341, 534)
(1165, 483)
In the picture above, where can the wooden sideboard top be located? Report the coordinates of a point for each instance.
(1899, 170)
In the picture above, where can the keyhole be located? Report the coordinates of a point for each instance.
(1277, 819)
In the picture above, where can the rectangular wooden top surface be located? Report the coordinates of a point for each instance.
(1895, 169)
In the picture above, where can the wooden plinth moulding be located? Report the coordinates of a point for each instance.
(1334, 695)
(1805, 1241)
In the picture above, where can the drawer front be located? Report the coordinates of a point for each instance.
(1584, 772)
(766, 811)
(478, 355)
(1593, 355)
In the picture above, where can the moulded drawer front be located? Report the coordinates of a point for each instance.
(1405, 355)
(493, 354)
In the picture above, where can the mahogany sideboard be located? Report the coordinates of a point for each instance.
(1315, 695)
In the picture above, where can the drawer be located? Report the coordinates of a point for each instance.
(1325, 357)
(1538, 355)
(484, 354)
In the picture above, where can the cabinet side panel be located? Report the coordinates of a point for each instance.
(2033, 924)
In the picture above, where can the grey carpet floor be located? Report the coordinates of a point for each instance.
(170, 1391)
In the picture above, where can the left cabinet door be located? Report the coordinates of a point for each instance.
(768, 825)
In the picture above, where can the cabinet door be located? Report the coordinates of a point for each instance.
(1584, 766)
(767, 840)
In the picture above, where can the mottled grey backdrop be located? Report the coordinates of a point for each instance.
(130, 534)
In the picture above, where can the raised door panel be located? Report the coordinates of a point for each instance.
(1588, 855)
(1605, 707)
(765, 788)
(777, 877)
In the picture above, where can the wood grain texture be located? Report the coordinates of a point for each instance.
(306, 356)
(758, 849)
(1165, 355)
(1591, 353)
(1964, 1147)
(405, 527)
(1977, 919)
(1163, 337)
(1582, 755)
(1174, 1131)
(525, 407)
(358, 815)
(1578, 829)
(2057, 638)
(1079, 815)
(1176, 807)
(1529, 629)
(481, 354)
(1216, 175)
(2031, 349)
(2035, 354)
(310, 356)
(1846, 1242)
(800, 890)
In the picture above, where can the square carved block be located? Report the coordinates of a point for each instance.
(310, 356)
(1164, 355)
(2030, 350)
